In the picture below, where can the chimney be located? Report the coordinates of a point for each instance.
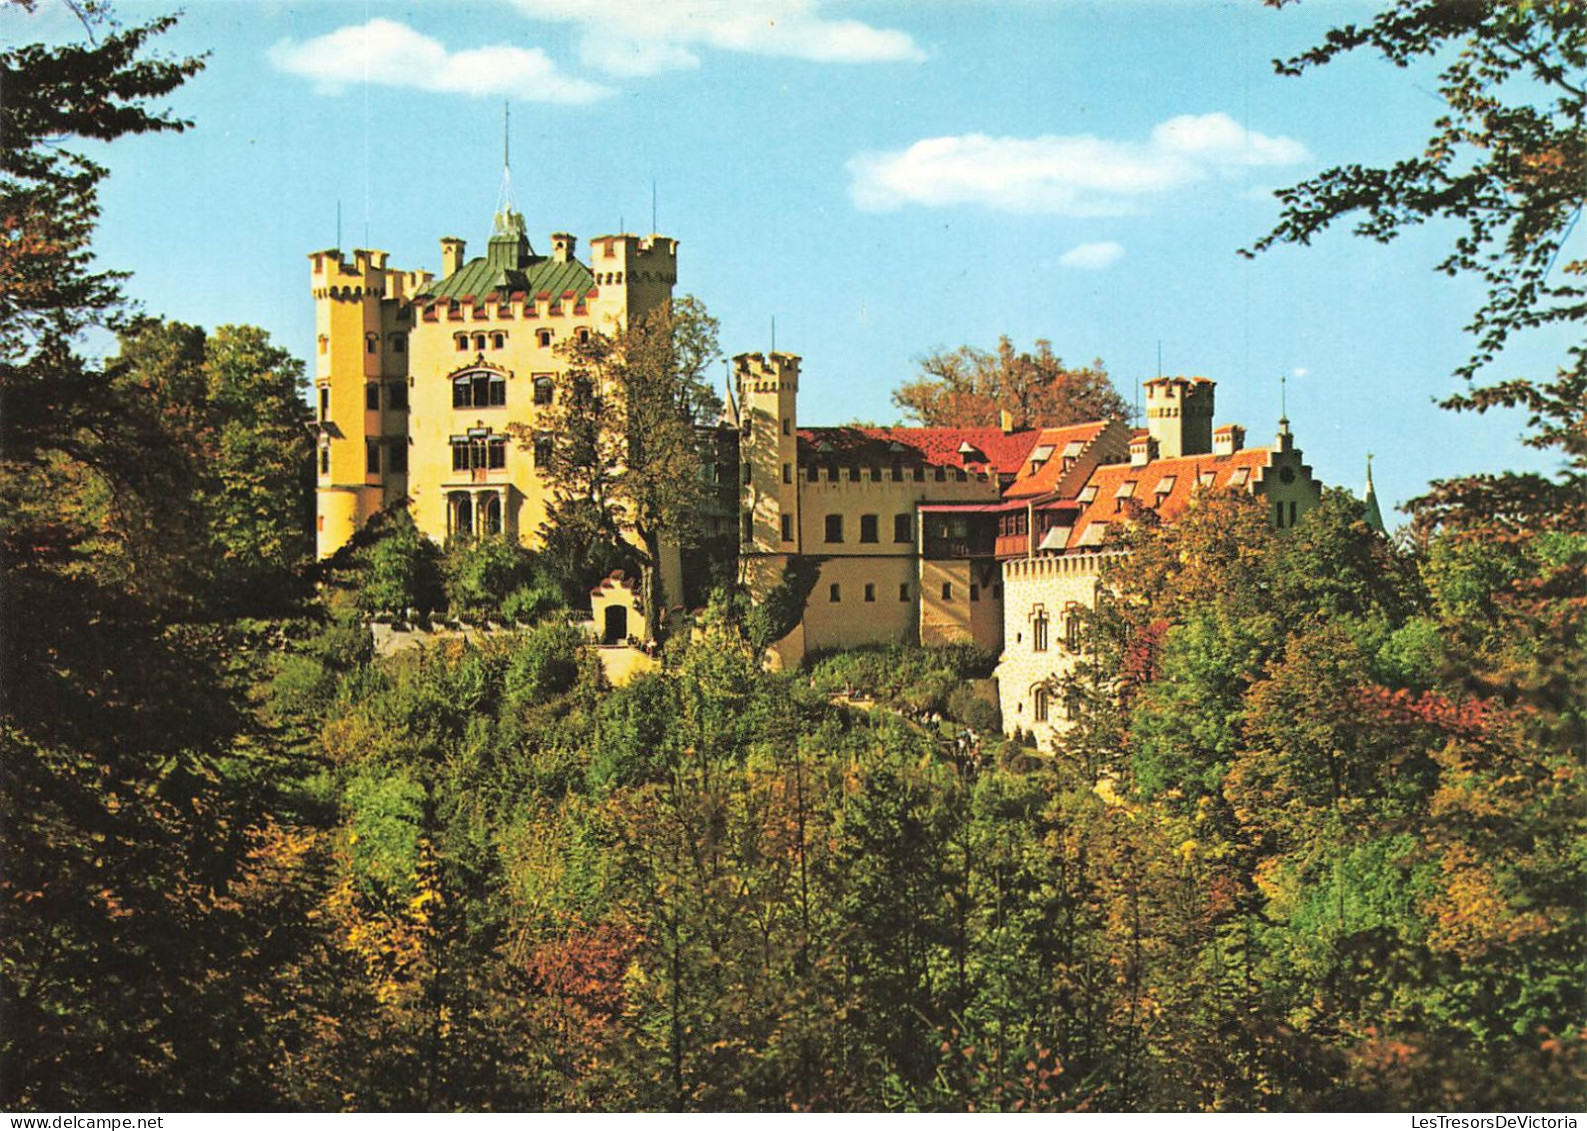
(563, 246)
(1005, 421)
(451, 256)
(1228, 439)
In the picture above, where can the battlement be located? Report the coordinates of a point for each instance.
(1179, 415)
(1061, 565)
(766, 373)
(366, 274)
(630, 259)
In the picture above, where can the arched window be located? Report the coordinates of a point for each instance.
(1041, 700)
(479, 342)
(542, 390)
(462, 341)
(543, 337)
(462, 515)
(478, 389)
(490, 515)
(498, 340)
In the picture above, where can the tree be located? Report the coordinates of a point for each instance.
(969, 387)
(1507, 160)
(624, 453)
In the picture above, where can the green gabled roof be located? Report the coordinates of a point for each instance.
(480, 277)
(509, 265)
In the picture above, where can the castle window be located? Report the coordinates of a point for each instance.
(920, 474)
(461, 513)
(787, 426)
(868, 528)
(325, 403)
(372, 398)
(834, 528)
(898, 472)
(543, 337)
(975, 592)
(325, 459)
(834, 593)
(399, 343)
(1278, 514)
(542, 450)
(787, 528)
(1072, 703)
(854, 474)
(903, 528)
(462, 342)
(325, 343)
(397, 456)
(1038, 632)
(1040, 700)
(479, 390)
(474, 453)
(542, 389)
(583, 335)
(947, 590)
(997, 591)
(903, 591)
(870, 591)
(498, 340)
(749, 473)
(747, 520)
(479, 342)
(876, 475)
(787, 473)
(490, 515)
(832, 473)
(372, 343)
(397, 397)
(813, 473)
(371, 457)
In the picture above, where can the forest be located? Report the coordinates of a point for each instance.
(1316, 842)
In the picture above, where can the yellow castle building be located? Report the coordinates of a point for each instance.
(417, 377)
(989, 536)
(992, 536)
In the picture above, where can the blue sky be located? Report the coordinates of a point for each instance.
(883, 179)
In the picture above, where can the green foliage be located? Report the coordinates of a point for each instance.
(400, 569)
(479, 574)
(545, 662)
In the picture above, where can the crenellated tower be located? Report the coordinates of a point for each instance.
(1179, 415)
(363, 322)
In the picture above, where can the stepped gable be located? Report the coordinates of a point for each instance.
(1065, 443)
(991, 449)
(1164, 486)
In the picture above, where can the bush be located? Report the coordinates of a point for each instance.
(546, 663)
(528, 603)
(479, 575)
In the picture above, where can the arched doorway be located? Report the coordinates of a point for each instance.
(490, 515)
(615, 630)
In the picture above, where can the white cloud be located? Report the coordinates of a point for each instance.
(1076, 175)
(625, 38)
(1092, 256)
(392, 54)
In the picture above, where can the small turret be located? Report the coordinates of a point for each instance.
(1369, 498)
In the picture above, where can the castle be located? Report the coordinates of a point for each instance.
(992, 536)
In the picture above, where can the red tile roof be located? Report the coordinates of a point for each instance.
(1185, 471)
(996, 450)
(1045, 478)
